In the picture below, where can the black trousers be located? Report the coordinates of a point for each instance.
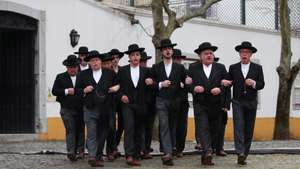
(221, 131)
(111, 135)
(207, 118)
(181, 121)
(120, 125)
(134, 139)
(149, 122)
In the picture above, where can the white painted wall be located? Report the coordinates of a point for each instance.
(102, 29)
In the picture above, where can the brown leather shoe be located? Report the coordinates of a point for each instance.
(72, 157)
(110, 157)
(207, 160)
(116, 154)
(221, 153)
(179, 154)
(146, 156)
(132, 162)
(167, 160)
(95, 163)
(241, 159)
(80, 156)
(198, 147)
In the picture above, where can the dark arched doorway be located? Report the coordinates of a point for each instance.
(17, 84)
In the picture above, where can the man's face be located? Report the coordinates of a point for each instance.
(82, 56)
(107, 64)
(178, 60)
(143, 63)
(207, 57)
(116, 60)
(167, 52)
(72, 70)
(245, 55)
(95, 63)
(135, 58)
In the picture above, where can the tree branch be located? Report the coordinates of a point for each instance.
(200, 12)
(167, 7)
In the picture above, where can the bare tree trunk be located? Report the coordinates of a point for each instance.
(283, 110)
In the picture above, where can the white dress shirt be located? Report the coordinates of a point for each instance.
(207, 70)
(168, 68)
(135, 75)
(73, 78)
(245, 69)
(97, 75)
(84, 67)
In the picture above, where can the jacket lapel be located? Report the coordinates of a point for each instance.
(202, 72)
(250, 71)
(129, 75)
(212, 72)
(140, 77)
(68, 80)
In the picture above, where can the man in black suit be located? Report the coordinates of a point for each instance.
(83, 51)
(181, 118)
(95, 85)
(117, 55)
(206, 89)
(225, 105)
(168, 76)
(71, 107)
(247, 78)
(133, 80)
(150, 110)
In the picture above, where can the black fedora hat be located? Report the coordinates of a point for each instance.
(204, 46)
(93, 54)
(216, 59)
(107, 57)
(246, 45)
(177, 54)
(116, 52)
(144, 56)
(71, 60)
(134, 48)
(166, 43)
(82, 50)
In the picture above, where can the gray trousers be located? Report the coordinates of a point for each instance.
(96, 133)
(243, 120)
(74, 134)
(166, 112)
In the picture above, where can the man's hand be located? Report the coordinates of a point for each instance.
(198, 89)
(215, 91)
(226, 82)
(249, 82)
(114, 89)
(125, 99)
(88, 89)
(166, 83)
(71, 91)
(188, 80)
(149, 81)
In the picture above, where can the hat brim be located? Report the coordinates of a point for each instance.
(67, 63)
(239, 47)
(167, 46)
(147, 58)
(181, 57)
(120, 54)
(135, 50)
(88, 58)
(199, 50)
(81, 53)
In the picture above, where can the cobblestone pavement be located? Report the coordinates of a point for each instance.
(16, 161)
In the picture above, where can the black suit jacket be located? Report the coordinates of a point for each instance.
(92, 99)
(240, 90)
(62, 82)
(136, 96)
(176, 77)
(218, 73)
